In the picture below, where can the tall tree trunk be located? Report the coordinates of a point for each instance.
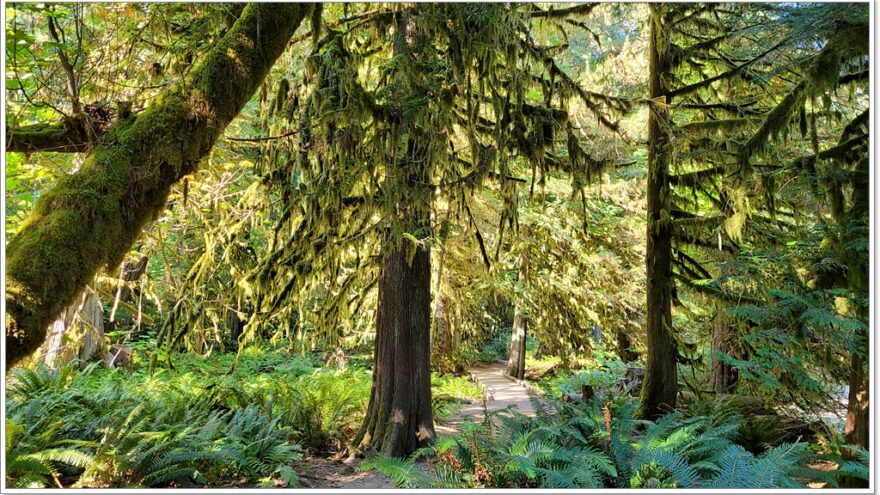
(724, 375)
(90, 219)
(660, 387)
(399, 417)
(516, 361)
(858, 416)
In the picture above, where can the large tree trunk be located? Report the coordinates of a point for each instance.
(660, 388)
(399, 418)
(516, 361)
(90, 219)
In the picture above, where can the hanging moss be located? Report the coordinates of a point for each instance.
(821, 75)
(279, 103)
(90, 219)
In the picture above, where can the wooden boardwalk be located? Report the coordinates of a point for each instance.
(501, 392)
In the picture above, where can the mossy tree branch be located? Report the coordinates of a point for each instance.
(579, 9)
(90, 219)
(73, 135)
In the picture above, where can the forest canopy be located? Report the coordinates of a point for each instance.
(455, 245)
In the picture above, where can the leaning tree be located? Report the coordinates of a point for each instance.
(90, 219)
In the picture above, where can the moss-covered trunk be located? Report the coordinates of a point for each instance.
(660, 387)
(858, 412)
(399, 417)
(90, 219)
(75, 134)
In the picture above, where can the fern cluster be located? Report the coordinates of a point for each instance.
(73, 429)
(575, 449)
(191, 426)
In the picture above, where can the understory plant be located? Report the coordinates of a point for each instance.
(103, 428)
(601, 445)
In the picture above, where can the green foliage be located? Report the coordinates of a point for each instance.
(324, 407)
(193, 426)
(768, 199)
(449, 393)
(495, 349)
(404, 472)
(795, 333)
(573, 450)
(34, 455)
(852, 462)
(106, 428)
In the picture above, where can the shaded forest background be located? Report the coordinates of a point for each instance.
(237, 236)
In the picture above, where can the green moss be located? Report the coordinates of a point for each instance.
(90, 219)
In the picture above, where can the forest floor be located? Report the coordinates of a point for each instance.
(501, 392)
(318, 472)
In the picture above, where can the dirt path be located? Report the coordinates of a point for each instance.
(319, 472)
(500, 393)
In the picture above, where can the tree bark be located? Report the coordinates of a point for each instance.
(83, 324)
(660, 387)
(399, 417)
(724, 375)
(858, 417)
(441, 341)
(90, 219)
(516, 361)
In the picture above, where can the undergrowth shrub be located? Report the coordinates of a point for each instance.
(108, 428)
(601, 445)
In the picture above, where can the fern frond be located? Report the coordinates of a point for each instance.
(674, 464)
(404, 472)
(71, 457)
